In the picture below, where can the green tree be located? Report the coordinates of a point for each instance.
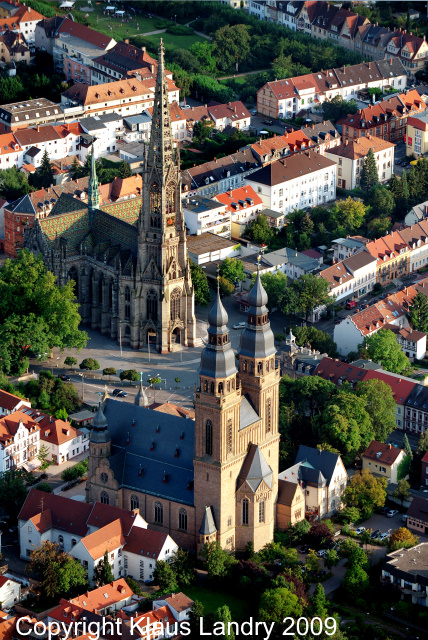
(201, 131)
(312, 292)
(226, 287)
(109, 371)
(383, 347)
(129, 374)
(13, 491)
(44, 486)
(61, 414)
(277, 604)
(124, 170)
(418, 314)
(406, 446)
(355, 582)
(182, 566)
(231, 45)
(70, 361)
(274, 285)
(349, 514)
(331, 559)
(164, 576)
(103, 573)
(196, 613)
(58, 572)
(89, 364)
(232, 270)
(382, 202)
(312, 561)
(319, 601)
(349, 214)
(345, 425)
(379, 227)
(369, 176)
(134, 586)
(365, 492)
(402, 538)
(13, 184)
(34, 311)
(402, 491)
(380, 405)
(365, 537)
(204, 53)
(42, 456)
(423, 442)
(45, 174)
(75, 169)
(319, 340)
(224, 616)
(337, 108)
(216, 560)
(260, 231)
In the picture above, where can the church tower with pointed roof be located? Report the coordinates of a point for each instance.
(165, 289)
(236, 431)
(93, 186)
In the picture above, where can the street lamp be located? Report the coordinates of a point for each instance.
(83, 386)
(175, 18)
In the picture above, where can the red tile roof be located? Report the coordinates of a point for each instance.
(68, 515)
(335, 370)
(235, 195)
(145, 542)
(401, 388)
(101, 516)
(8, 401)
(95, 38)
(9, 425)
(35, 136)
(105, 596)
(108, 539)
(359, 147)
(388, 453)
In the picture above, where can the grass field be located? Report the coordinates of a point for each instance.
(213, 599)
(174, 42)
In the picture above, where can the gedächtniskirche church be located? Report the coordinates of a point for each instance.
(128, 259)
(214, 478)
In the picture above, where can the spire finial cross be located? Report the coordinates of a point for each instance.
(99, 397)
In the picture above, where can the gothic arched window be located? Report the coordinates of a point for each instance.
(158, 513)
(152, 305)
(175, 304)
(229, 436)
(261, 511)
(170, 198)
(104, 499)
(135, 502)
(268, 415)
(127, 303)
(182, 519)
(245, 511)
(209, 438)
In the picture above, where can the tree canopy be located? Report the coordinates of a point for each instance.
(59, 573)
(200, 285)
(369, 175)
(365, 492)
(233, 270)
(418, 314)
(34, 312)
(380, 405)
(383, 347)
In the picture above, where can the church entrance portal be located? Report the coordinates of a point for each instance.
(175, 338)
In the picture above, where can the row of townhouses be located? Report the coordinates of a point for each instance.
(342, 27)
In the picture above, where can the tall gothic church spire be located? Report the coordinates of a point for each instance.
(161, 148)
(93, 190)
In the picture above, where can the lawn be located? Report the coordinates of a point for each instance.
(175, 42)
(213, 599)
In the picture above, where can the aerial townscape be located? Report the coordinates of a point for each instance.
(213, 319)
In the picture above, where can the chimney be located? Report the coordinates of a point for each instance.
(38, 127)
(126, 41)
(389, 446)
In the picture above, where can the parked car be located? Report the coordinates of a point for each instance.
(383, 536)
(391, 513)
(404, 518)
(360, 530)
(118, 393)
(239, 325)
(254, 112)
(375, 534)
(64, 378)
(267, 121)
(384, 510)
(351, 304)
(305, 548)
(322, 553)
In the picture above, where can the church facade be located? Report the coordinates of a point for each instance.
(214, 478)
(128, 259)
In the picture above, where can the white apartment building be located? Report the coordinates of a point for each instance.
(305, 179)
(19, 440)
(350, 156)
(59, 141)
(243, 205)
(202, 215)
(10, 403)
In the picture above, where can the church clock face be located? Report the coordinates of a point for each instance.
(170, 221)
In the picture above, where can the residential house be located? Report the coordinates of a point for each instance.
(351, 278)
(417, 135)
(137, 127)
(412, 343)
(194, 115)
(416, 411)
(322, 476)
(121, 61)
(275, 219)
(59, 141)
(19, 440)
(417, 515)
(288, 12)
(29, 113)
(401, 388)
(125, 97)
(10, 403)
(386, 119)
(178, 603)
(243, 205)
(416, 214)
(394, 309)
(102, 131)
(304, 179)
(257, 8)
(299, 361)
(86, 531)
(291, 504)
(10, 592)
(233, 114)
(202, 215)
(383, 460)
(10, 151)
(392, 257)
(416, 236)
(22, 21)
(345, 247)
(405, 569)
(209, 247)
(14, 48)
(424, 470)
(412, 50)
(323, 135)
(289, 261)
(82, 419)
(271, 149)
(103, 601)
(350, 156)
(63, 441)
(219, 175)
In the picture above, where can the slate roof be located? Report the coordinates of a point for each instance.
(248, 414)
(322, 460)
(418, 509)
(255, 469)
(144, 446)
(286, 491)
(295, 166)
(208, 523)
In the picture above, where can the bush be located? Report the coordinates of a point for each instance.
(129, 374)
(73, 473)
(180, 30)
(89, 364)
(110, 371)
(44, 486)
